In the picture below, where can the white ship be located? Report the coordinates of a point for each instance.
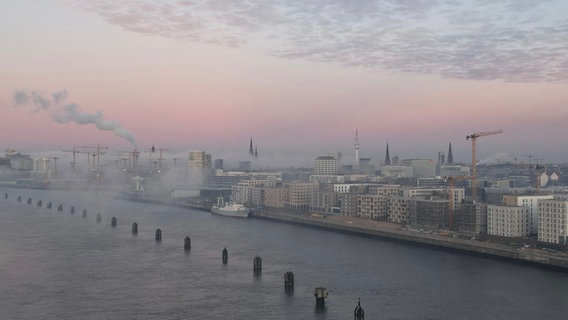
(230, 210)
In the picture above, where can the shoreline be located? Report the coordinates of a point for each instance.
(392, 232)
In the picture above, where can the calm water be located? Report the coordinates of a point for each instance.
(54, 265)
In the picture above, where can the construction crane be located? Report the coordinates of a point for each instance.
(473, 138)
(161, 158)
(98, 154)
(74, 163)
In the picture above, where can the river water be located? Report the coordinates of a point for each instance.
(58, 265)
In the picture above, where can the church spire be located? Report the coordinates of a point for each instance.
(387, 156)
(251, 150)
(356, 145)
(450, 155)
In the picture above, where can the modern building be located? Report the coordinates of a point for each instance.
(553, 221)
(470, 218)
(421, 168)
(397, 171)
(325, 165)
(218, 164)
(429, 213)
(275, 197)
(299, 194)
(372, 206)
(397, 209)
(199, 160)
(530, 202)
(507, 221)
(324, 202)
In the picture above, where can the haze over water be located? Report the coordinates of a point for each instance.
(55, 265)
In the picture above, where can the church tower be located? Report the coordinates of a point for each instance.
(387, 157)
(450, 155)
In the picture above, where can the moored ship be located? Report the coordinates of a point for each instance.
(230, 210)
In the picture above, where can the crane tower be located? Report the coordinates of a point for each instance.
(473, 138)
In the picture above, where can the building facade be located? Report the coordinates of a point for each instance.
(553, 221)
(507, 221)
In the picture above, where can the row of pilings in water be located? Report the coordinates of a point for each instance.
(320, 293)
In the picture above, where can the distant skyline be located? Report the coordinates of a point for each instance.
(299, 77)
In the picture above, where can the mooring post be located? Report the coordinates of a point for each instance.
(84, 214)
(29, 200)
(320, 293)
(358, 313)
(98, 216)
(72, 210)
(289, 281)
(158, 235)
(60, 207)
(135, 228)
(113, 222)
(257, 265)
(225, 256)
(39, 203)
(19, 198)
(187, 243)
(49, 205)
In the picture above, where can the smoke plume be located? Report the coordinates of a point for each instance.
(62, 111)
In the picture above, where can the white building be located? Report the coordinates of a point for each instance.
(553, 221)
(506, 221)
(531, 202)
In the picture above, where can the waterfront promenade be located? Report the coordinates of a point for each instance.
(394, 232)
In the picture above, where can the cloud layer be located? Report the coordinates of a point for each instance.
(509, 40)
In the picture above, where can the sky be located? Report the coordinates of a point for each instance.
(299, 77)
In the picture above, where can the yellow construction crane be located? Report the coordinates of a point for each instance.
(473, 138)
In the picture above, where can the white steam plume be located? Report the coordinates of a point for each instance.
(62, 111)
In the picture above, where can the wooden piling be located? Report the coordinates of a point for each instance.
(158, 235)
(135, 228)
(257, 265)
(187, 243)
(113, 222)
(289, 281)
(225, 256)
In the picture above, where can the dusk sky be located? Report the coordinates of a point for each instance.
(296, 76)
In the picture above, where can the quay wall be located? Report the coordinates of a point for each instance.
(493, 250)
